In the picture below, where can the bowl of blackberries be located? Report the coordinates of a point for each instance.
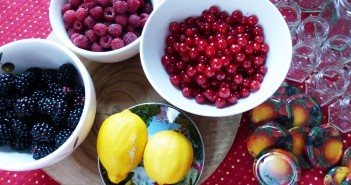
(213, 57)
(100, 30)
(47, 104)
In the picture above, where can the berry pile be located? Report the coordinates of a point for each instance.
(216, 58)
(104, 25)
(39, 108)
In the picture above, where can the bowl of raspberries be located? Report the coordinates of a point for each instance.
(215, 58)
(100, 30)
(47, 104)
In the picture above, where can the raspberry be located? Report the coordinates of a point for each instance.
(74, 117)
(43, 131)
(78, 26)
(66, 74)
(69, 17)
(92, 37)
(88, 5)
(109, 14)
(133, 6)
(115, 30)
(74, 35)
(89, 22)
(65, 7)
(81, 41)
(105, 41)
(24, 106)
(130, 28)
(75, 3)
(81, 13)
(96, 47)
(121, 19)
(120, 6)
(70, 32)
(7, 83)
(100, 29)
(129, 37)
(147, 8)
(62, 136)
(42, 149)
(97, 12)
(117, 43)
(134, 20)
(104, 3)
(143, 19)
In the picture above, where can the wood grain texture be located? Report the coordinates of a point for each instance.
(119, 86)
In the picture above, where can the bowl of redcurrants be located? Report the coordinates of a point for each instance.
(215, 58)
(100, 30)
(47, 104)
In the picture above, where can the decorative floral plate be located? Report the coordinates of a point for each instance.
(159, 117)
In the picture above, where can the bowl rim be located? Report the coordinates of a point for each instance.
(226, 111)
(89, 100)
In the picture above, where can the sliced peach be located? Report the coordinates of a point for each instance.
(263, 112)
(301, 115)
(257, 142)
(332, 150)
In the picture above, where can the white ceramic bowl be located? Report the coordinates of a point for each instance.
(46, 54)
(58, 28)
(152, 45)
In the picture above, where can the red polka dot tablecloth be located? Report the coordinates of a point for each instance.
(20, 19)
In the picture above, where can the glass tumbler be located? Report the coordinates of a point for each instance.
(306, 57)
(339, 114)
(327, 85)
(336, 51)
(313, 29)
(310, 6)
(291, 13)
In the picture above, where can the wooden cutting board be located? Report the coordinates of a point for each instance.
(119, 86)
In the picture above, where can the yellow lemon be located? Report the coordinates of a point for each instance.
(120, 144)
(167, 157)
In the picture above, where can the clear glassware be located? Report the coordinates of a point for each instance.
(276, 1)
(327, 85)
(313, 29)
(336, 51)
(291, 13)
(306, 57)
(339, 114)
(310, 6)
(338, 15)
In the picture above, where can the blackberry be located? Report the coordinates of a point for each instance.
(57, 109)
(7, 83)
(66, 74)
(42, 131)
(63, 92)
(42, 149)
(79, 97)
(74, 117)
(24, 106)
(9, 116)
(3, 103)
(47, 76)
(22, 128)
(21, 143)
(25, 81)
(37, 95)
(62, 136)
(6, 134)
